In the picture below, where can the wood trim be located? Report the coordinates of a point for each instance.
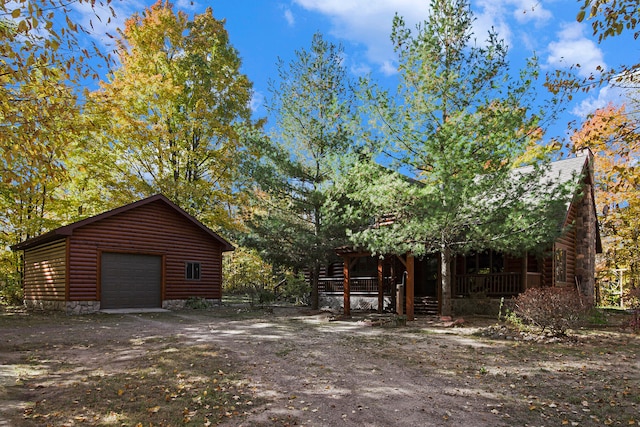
(163, 286)
(347, 286)
(380, 286)
(409, 291)
(99, 274)
(402, 260)
(67, 271)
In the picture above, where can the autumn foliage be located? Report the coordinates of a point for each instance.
(612, 135)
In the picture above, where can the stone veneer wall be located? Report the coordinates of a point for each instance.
(44, 305)
(336, 302)
(68, 307)
(82, 307)
(586, 243)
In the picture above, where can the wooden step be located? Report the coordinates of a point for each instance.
(425, 306)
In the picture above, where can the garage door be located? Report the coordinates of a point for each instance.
(130, 281)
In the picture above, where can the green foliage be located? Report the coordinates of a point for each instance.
(10, 290)
(173, 109)
(197, 303)
(244, 272)
(294, 288)
(597, 317)
(610, 17)
(313, 103)
(552, 309)
(452, 134)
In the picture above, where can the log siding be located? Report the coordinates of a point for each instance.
(153, 229)
(63, 267)
(45, 272)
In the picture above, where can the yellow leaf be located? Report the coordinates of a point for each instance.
(154, 410)
(16, 13)
(120, 392)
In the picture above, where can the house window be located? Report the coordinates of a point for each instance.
(192, 270)
(561, 265)
(484, 262)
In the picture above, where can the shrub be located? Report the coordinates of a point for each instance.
(295, 288)
(10, 290)
(552, 309)
(633, 299)
(197, 303)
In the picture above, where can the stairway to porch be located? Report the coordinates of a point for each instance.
(425, 306)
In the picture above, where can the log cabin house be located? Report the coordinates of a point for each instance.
(147, 254)
(411, 286)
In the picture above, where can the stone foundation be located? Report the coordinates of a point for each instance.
(336, 302)
(82, 307)
(88, 307)
(173, 304)
(68, 307)
(43, 305)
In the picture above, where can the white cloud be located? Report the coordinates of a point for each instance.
(288, 16)
(368, 23)
(501, 15)
(525, 11)
(186, 5)
(605, 96)
(99, 19)
(257, 101)
(572, 47)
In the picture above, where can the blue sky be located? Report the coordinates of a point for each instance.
(264, 30)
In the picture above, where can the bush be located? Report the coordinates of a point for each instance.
(295, 289)
(10, 291)
(552, 309)
(633, 299)
(197, 303)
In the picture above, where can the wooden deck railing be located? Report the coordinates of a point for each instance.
(491, 285)
(358, 285)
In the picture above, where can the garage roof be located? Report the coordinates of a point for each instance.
(67, 230)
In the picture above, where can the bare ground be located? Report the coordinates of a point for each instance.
(238, 367)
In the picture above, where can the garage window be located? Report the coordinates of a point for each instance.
(192, 270)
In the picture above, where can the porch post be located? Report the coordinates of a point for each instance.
(346, 286)
(409, 289)
(525, 268)
(380, 287)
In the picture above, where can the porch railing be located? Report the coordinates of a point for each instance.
(491, 285)
(358, 285)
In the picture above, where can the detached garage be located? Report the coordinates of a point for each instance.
(148, 254)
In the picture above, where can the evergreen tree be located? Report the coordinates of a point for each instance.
(313, 103)
(451, 138)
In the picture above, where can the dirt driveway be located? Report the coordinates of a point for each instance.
(240, 367)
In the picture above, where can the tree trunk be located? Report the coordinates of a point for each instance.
(445, 281)
(315, 299)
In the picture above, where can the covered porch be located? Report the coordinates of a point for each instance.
(407, 281)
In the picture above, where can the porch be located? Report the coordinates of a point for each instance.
(494, 285)
(490, 285)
